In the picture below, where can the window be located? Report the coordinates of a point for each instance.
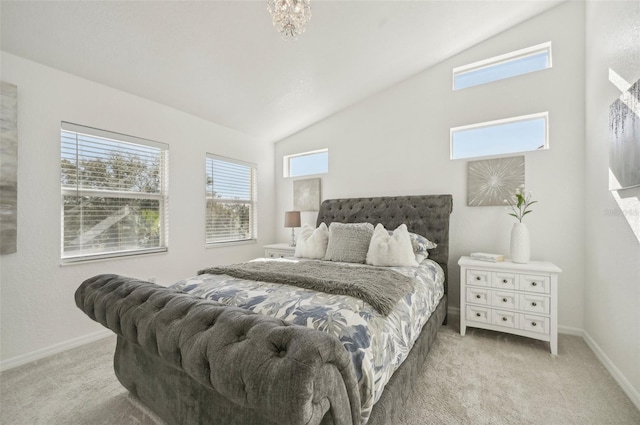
(231, 200)
(520, 62)
(113, 194)
(511, 135)
(306, 163)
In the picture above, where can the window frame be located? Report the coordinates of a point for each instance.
(162, 196)
(286, 162)
(501, 59)
(520, 118)
(253, 202)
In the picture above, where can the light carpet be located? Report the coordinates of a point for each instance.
(482, 378)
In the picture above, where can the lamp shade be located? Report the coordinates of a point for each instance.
(292, 219)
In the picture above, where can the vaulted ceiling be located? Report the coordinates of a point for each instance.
(224, 62)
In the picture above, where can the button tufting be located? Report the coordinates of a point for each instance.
(282, 353)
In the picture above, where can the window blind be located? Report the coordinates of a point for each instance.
(113, 190)
(231, 200)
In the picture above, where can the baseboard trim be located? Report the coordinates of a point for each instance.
(570, 330)
(624, 383)
(53, 349)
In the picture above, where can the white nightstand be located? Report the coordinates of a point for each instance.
(520, 299)
(279, 250)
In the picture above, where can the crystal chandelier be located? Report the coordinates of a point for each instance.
(290, 16)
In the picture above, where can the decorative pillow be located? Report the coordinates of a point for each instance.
(391, 249)
(420, 246)
(312, 243)
(349, 242)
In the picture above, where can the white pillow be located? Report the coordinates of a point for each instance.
(312, 243)
(391, 250)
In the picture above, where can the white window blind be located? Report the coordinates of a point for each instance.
(231, 200)
(114, 194)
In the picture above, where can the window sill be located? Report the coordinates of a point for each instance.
(111, 256)
(231, 243)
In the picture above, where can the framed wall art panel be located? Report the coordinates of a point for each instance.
(8, 168)
(491, 181)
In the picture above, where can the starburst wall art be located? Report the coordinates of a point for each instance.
(491, 181)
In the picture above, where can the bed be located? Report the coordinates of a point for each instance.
(199, 361)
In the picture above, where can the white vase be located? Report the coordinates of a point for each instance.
(520, 251)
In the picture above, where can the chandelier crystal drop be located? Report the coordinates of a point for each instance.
(289, 16)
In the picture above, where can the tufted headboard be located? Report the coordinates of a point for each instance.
(426, 215)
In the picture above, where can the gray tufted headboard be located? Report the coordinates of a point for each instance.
(426, 215)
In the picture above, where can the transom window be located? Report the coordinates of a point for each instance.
(306, 163)
(231, 198)
(114, 195)
(520, 62)
(511, 135)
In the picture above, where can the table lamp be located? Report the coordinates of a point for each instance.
(292, 219)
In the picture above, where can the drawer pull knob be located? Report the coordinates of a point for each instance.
(478, 314)
(504, 300)
(505, 281)
(504, 319)
(478, 296)
(477, 277)
(534, 283)
(534, 303)
(534, 324)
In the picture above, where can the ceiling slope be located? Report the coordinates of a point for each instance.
(224, 62)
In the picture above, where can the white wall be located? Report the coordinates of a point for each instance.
(612, 228)
(397, 143)
(38, 310)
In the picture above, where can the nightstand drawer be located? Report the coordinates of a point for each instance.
(274, 253)
(535, 303)
(505, 281)
(504, 299)
(477, 295)
(478, 277)
(532, 283)
(535, 324)
(509, 319)
(478, 314)
(520, 299)
(279, 250)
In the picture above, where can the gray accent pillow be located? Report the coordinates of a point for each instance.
(349, 242)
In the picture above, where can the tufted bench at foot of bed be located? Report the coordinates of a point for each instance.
(195, 361)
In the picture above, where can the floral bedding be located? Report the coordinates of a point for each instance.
(377, 344)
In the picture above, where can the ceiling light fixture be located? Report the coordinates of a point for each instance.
(290, 16)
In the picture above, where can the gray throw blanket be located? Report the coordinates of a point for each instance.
(381, 288)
